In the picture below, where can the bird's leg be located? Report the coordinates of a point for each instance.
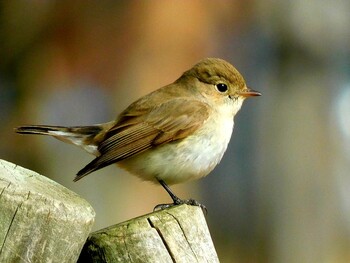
(177, 200)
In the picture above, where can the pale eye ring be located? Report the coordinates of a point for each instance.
(221, 87)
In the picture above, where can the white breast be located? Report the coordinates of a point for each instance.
(187, 159)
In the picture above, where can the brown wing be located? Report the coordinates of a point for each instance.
(137, 131)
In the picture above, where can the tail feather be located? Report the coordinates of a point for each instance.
(39, 129)
(84, 137)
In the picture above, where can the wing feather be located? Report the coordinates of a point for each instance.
(137, 131)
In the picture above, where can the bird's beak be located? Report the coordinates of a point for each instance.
(247, 92)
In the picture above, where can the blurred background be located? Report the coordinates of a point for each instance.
(281, 193)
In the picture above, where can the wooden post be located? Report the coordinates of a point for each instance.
(40, 220)
(177, 234)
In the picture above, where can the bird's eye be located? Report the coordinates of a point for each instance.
(221, 87)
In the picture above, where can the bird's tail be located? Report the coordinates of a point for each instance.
(85, 137)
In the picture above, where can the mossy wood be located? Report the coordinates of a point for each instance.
(177, 234)
(40, 220)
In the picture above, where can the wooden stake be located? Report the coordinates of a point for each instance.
(177, 234)
(40, 220)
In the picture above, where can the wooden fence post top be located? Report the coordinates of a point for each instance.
(40, 220)
(177, 234)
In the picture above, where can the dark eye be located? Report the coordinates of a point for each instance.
(221, 87)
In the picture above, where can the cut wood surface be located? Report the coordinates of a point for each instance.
(40, 220)
(177, 234)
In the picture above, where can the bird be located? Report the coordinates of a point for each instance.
(172, 135)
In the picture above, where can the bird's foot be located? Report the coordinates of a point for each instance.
(178, 201)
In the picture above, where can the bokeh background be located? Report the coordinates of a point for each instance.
(282, 191)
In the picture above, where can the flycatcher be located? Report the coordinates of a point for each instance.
(172, 135)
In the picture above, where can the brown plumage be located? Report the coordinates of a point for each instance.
(157, 130)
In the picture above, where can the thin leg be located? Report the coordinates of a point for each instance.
(170, 192)
(177, 200)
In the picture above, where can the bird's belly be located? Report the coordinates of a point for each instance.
(183, 160)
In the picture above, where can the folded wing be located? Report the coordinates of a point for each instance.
(140, 130)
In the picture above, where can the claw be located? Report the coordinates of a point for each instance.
(177, 201)
(181, 202)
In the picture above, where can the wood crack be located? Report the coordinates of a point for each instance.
(8, 230)
(163, 239)
(184, 233)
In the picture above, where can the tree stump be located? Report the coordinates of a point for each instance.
(40, 220)
(177, 234)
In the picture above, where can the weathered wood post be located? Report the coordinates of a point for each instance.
(40, 220)
(177, 234)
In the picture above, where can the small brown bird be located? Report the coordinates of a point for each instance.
(172, 135)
